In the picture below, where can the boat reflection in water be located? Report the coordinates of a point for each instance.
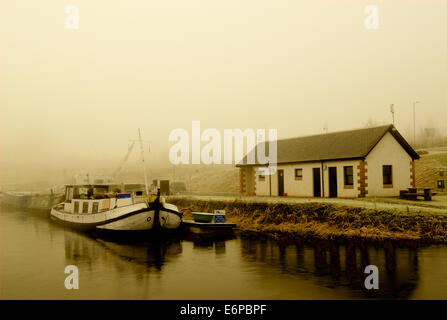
(152, 254)
(142, 253)
(340, 265)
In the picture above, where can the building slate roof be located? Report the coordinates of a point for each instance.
(352, 144)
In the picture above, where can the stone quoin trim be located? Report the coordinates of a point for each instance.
(362, 177)
(413, 174)
(254, 175)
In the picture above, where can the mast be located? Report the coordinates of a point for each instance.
(144, 166)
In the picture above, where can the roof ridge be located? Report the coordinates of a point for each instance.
(342, 131)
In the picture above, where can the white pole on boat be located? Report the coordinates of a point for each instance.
(144, 166)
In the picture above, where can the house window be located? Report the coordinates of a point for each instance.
(387, 175)
(261, 174)
(348, 175)
(298, 174)
(441, 184)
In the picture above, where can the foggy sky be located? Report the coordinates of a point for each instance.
(75, 97)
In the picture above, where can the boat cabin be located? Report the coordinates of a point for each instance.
(86, 199)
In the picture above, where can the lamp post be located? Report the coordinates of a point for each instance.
(414, 122)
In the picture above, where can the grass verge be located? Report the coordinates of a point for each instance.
(324, 221)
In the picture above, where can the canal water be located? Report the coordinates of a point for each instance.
(35, 251)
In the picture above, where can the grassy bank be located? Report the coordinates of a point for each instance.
(325, 221)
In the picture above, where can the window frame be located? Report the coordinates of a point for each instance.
(386, 183)
(348, 184)
(261, 174)
(298, 177)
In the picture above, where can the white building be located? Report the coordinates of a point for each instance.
(358, 163)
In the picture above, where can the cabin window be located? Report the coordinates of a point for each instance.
(298, 174)
(76, 207)
(85, 207)
(100, 192)
(95, 207)
(387, 175)
(348, 175)
(139, 193)
(68, 194)
(76, 193)
(80, 193)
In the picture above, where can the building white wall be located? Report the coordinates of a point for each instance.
(342, 191)
(304, 187)
(299, 188)
(387, 152)
(263, 187)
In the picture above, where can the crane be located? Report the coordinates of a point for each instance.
(129, 150)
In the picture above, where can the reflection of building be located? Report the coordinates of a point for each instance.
(217, 245)
(358, 163)
(338, 265)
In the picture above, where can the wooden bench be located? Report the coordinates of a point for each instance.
(413, 194)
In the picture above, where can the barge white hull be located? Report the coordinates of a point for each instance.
(135, 217)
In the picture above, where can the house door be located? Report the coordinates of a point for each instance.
(317, 182)
(280, 182)
(333, 182)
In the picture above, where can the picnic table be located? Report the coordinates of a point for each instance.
(414, 193)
